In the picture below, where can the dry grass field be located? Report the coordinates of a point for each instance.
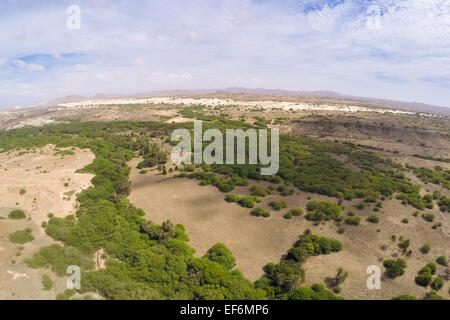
(255, 241)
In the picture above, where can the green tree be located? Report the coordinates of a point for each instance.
(222, 255)
(395, 268)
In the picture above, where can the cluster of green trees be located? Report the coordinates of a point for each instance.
(310, 166)
(144, 261)
(259, 191)
(282, 280)
(444, 204)
(278, 205)
(150, 151)
(428, 157)
(323, 210)
(260, 212)
(312, 245)
(395, 268)
(224, 185)
(148, 261)
(222, 255)
(425, 275)
(438, 175)
(294, 212)
(285, 191)
(244, 201)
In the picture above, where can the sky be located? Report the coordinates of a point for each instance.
(374, 48)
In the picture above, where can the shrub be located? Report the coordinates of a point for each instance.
(352, 221)
(395, 268)
(246, 201)
(442, 260)
(340, 277)
(437, 284)
(293, 213)
(258, 191)
(284, 191)
(260, 212)
(284, 276)
(405, 220)
(189, 168)
(373, 218)
(428, 217)
(432, 296)
(221, 254)
(432, 266)
(47, 282)
(278, 205)
(22, 191)
(424, 277)
(296, 212)
(21, 236)
(312, 245)
(317, 292)
(17, 214)
(59, 258)
(288, 215)
(231, 198)
(425, 248)
(323, 210)
(436, 225)
(341, 230)
(360, 205)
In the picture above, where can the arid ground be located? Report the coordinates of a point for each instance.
(50, 185)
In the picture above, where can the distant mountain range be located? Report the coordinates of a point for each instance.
(266, 94)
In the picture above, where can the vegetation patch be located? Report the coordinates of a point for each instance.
(323, 210)
(17, 214)
(259, 212)
(21, 236)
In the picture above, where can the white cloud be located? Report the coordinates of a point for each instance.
(145, 45)
(28, 66)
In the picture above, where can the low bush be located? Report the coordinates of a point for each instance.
(425, 248)
(231, 198)
(259, 212)
(246, 201)
(21, 236)
(17, 214)
(437, 284)
(442, 260)
(354, 221)
(395, 268)
(428, 217)
(278, 205)
(47, 282)
(323, 210)
(258, 191)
